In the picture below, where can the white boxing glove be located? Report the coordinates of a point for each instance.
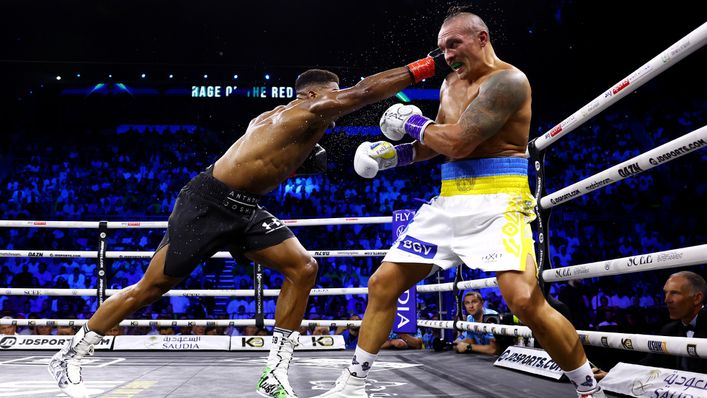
(374, 156)
(392, 122)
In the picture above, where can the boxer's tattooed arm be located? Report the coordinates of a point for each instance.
(499, 98)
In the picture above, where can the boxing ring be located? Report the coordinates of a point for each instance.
(410, 373)
(227, 374)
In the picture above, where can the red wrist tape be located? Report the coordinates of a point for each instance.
(422, 69)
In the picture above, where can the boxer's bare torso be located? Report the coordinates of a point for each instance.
(512, 138)
(274, 145)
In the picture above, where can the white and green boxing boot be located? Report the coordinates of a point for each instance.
(274, 382)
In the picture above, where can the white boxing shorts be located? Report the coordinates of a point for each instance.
(481, 218)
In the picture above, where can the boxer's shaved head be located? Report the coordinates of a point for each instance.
(468, 18)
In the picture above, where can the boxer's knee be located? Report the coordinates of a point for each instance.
(522, 305)
(527, 306)
(381, 288)
(304, 273)
(308, 272)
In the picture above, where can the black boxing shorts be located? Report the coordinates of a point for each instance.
(208, 216)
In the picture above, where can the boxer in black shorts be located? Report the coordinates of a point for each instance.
(209, 216)
(219, 209)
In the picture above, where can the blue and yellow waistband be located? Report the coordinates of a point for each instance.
(484, 176)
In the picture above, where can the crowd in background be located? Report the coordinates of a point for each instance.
(108, 177)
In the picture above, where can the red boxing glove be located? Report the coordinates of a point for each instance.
(422, 69)
(427, 67)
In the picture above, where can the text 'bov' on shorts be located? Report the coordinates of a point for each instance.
(209, 216)
(481, 218)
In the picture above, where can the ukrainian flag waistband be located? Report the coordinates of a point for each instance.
(484, 176)
(484, 167)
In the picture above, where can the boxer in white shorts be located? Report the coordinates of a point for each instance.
(481, 218)
(482, 215)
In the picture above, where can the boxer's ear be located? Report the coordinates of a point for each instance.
(483, 37)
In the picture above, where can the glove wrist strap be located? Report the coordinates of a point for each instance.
(415, 126)
(406, 154)
(422, 69)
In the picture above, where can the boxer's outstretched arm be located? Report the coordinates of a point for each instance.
(371, 89)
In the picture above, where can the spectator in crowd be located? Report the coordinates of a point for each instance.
(76, 280)
(350, 332)
(250, 330)
(44, 330)
(470, 342)
(115, 331)
(28, 330)
(25, 278)
(180, 304)
(66, 330)
(214, 331)
(44, 277)
(573, 295)
(685, 293)
(403, 341)
(320, 331)
(8, 329)
(166, 331)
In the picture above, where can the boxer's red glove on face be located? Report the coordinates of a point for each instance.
(433, 64)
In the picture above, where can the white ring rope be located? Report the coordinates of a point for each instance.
(148, 254)
(449, 286)
(19, 291)
(681, 49)
(170, 322)
(682, 257)
(163, 224)
(686, 256)
(679, 346)
(495, 328)
(665, 153)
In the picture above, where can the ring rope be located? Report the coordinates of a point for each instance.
(685, 256)
(682, 257)
(163, 224)
(18, 291)
(679, 346)
(174, 323)
(674, 258)
(449, 286)
(661, 62)
(660, 155)
(149, 254)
